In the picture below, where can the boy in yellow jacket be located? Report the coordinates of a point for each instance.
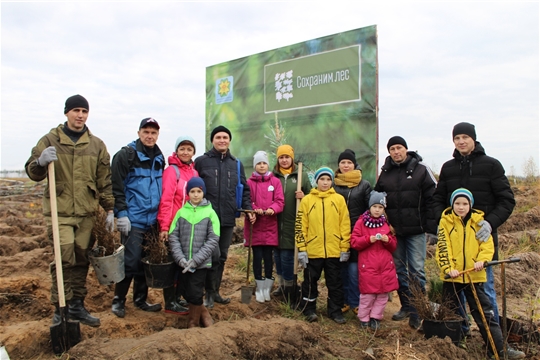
(459, 250)
(322, 236)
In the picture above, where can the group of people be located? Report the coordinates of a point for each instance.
(369, 242)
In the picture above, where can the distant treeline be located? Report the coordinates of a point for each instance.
(13, 174)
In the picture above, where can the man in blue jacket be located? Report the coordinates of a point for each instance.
(136, 181)
(219, 170)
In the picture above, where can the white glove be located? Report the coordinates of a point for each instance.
(344, 256)
(190, 266)
(303, 259)
(47, 155)
(183, 263)
(123, 225)
(109, 222)
(484, 233)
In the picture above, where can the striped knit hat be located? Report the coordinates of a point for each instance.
(323, 171)
(461, 192)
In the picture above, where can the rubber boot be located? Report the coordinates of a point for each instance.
(76, 311)
(281, 286)
(268, 283)
(179, 288)
(289, 297)
(171, 306)
(140, 293)
(119, 301)
(209, 300)
(194, 315)
(259, 292)
(206, 318)
(217, 283)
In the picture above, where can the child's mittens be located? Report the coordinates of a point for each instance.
(190, 266)
(183, 263)
(344, 256)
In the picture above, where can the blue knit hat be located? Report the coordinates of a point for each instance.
(196, 182)
(323, 171)
(184, 138)
(461, 192)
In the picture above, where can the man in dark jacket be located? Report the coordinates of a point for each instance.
(484, 176)
(83, 182)
(136, 180)
(409, 185)
(218, 169)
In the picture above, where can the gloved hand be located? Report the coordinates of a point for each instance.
(109, 222)
(123, 225)
(344, 256)
(484, 233)
(183, 263)
(303, 259)
(47, 155)
(190, 266)
(431, 239)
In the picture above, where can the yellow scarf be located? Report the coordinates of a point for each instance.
(349, 179)
(286, 171)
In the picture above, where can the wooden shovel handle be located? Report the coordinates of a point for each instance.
(56, 237)
(298, 188)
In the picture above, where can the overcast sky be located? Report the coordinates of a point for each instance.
(439, 64)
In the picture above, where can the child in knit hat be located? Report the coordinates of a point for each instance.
(459, 250)
(266, 201)
(372, 237)
(193, 237)
(323, 232)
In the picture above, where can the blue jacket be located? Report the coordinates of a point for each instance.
(136, 179)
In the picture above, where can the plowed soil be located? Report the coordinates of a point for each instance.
(241, 331)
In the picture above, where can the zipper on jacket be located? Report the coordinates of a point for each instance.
(229, 180)
(464, 257)
(324, 230)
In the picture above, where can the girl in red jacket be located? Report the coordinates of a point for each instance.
(267, 200)
(373, 239)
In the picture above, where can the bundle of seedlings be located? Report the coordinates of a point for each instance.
(432, 305)
(107, 242)
(156, 249)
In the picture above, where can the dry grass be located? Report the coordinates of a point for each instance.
(107, 242)
(156, 249)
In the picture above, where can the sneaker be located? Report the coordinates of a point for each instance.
(339, 319)
(311, 317)
(400, 315)
(345, 308)
(364, 324)
(415, 323)
(514, 354)
(374, 324)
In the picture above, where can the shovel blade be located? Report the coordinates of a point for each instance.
(65, 335)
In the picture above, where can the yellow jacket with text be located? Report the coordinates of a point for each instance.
(323, 227)
(458, 248)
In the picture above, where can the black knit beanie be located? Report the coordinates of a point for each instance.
(348, 154)
(76, 101)
(464, 128)
(395, 140)
(220, 128)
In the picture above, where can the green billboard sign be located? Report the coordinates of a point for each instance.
(319, 96)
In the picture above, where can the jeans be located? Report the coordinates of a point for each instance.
(489, 288)
(284, 259)
(409, 259)
(350, 284)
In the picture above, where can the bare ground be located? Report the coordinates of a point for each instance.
(241, 331)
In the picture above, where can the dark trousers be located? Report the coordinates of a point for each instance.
(214, 275)
(332, 276)
(194, 285)
(451, 291)
(260, 254)
(134, 251)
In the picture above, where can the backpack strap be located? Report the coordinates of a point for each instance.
(177, 171)
(131, 155)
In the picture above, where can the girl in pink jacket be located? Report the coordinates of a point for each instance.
(373, 239)
(173, 197)
(267, 200)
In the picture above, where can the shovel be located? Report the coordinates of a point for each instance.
(293, 298)
(486, 264)
(67, 333)
(247, 290)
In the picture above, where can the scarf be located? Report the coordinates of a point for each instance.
(372, 222)
(349, 179)
(286, 171)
